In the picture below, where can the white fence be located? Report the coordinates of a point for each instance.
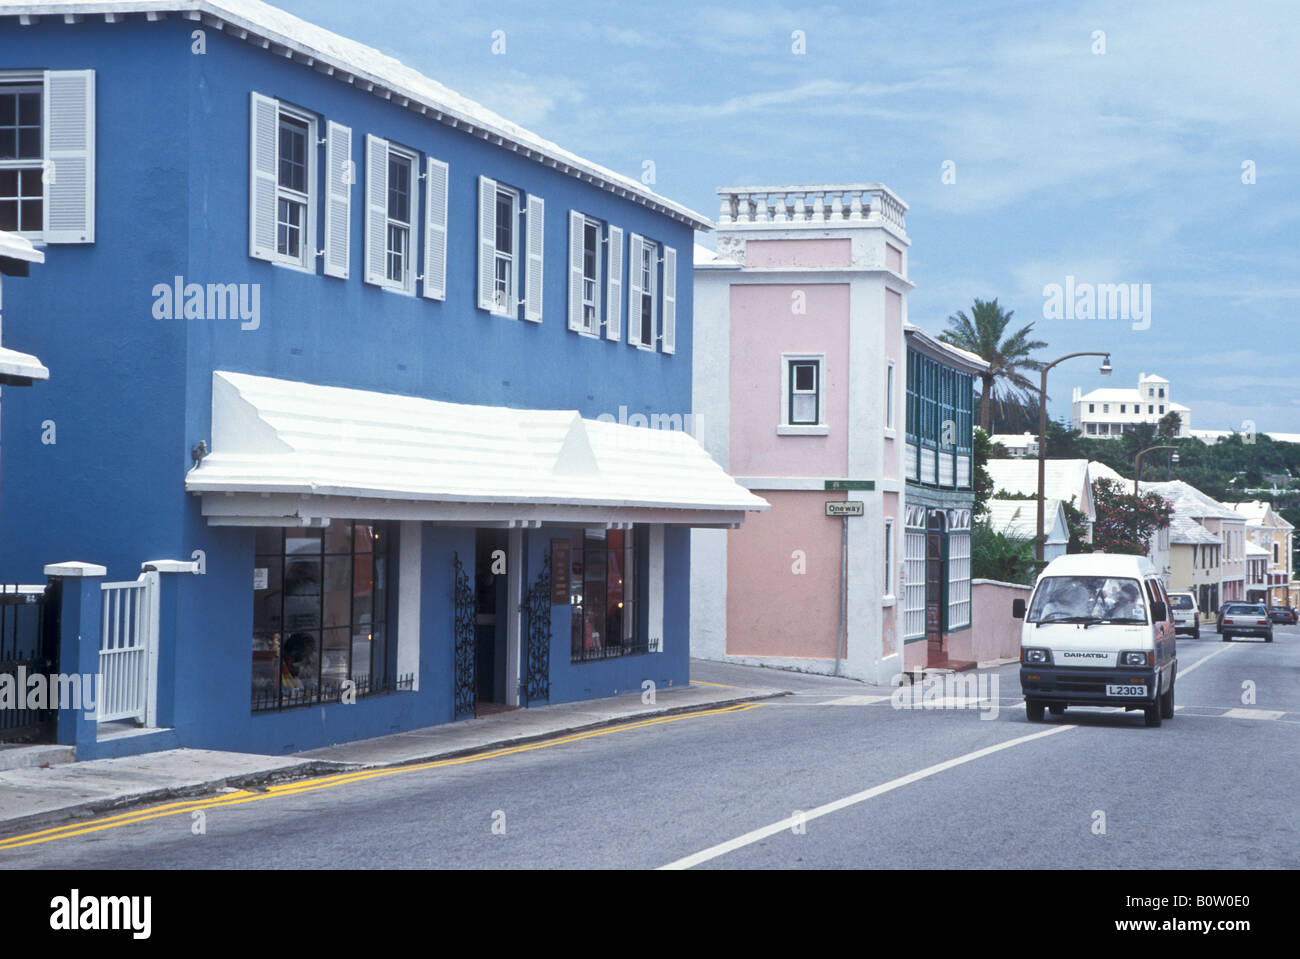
(128, 651)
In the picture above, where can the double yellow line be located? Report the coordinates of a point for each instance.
(327, 782)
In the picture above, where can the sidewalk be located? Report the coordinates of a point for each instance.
(35, 796)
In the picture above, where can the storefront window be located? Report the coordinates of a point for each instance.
(602, 595)
(319, 614)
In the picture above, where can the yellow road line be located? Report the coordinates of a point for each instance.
(325, 782)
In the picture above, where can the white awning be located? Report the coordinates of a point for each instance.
(19, 369)
(287, 453)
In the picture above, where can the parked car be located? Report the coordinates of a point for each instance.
(1097, 632)
(1187, 614)
(1245, 619)
(1282, 614)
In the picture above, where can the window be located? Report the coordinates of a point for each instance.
(959, 563)
(1150, 408)
(651, 308)
(320, 599)
(47, 162)
(1123, 408)
(1162, 392)
(505, 268)
(802, 406)
(1092, 428)
(399, 225)
(510, 236)
(292, 199)
(1162, 409)
(889, 395)
(603, 592)
(1105, 407)
(643, 313)
(914, 574)
(586, 261)
(889, 560)
(1092, 407)
(283, 199)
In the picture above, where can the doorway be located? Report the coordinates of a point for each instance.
(934, 591)
(490, 619)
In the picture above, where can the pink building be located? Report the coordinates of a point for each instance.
(799, 388)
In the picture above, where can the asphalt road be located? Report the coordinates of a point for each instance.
(805, 782)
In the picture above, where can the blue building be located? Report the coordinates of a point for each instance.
(363, 377)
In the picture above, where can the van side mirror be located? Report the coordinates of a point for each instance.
(1159, 612)
(1018, 608)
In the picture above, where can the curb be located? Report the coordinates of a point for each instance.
(309, 768)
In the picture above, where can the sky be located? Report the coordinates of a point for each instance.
(1153, 143)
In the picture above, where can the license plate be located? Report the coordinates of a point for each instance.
(1126, 691)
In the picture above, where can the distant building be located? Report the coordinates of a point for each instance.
(1019, 517)
(1111, 412)
(1018, 445)
(1067, 480)
(1269, 531)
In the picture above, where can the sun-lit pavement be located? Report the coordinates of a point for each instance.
(831, 776)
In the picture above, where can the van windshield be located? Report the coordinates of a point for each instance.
(1088, 599)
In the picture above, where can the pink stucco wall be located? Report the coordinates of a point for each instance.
(994, 633)
(894, 351)
(889, 614)
(894, 258)
(825, 254)
(764, 325)
(771, 609)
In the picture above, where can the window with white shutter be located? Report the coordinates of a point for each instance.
(635, 287)
(340, 174)
(435, 229)
(585, 263)
(487, 244)
(500, 251)
(47, 154)
(392, 226)
(282, 184)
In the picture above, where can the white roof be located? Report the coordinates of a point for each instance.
(1099, 564)
(1099, 470)
(13, 363)
(1186, 531)
(1190, 501)
(706, 257)
(1255, 548)
(1112, 394)
(19, 248)
(1019, 517)
(1256, 513)
(973, 361)
(1014, 439)
(273, 436)
(1063, 479)
(365, 66)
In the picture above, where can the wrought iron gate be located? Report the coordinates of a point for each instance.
(537, 604)
(29, 646)
(465, 688)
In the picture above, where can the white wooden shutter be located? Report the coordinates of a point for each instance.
(339, 177)
(69, 215)
(634, 290)
(614, 284)
(655, 586)
(487, 243)
(376, 209)
(263, 137)
(435, 229)
(536, 225)
(577, 231)
(670, 300)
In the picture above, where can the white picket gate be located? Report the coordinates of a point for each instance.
(128, 651)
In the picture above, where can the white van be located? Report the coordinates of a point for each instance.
(1098, 632)
(1187, 614)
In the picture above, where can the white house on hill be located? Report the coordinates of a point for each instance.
(1108, 412)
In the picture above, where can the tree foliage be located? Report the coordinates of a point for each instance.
(1125, 523)
(1005, 557)
(984, 334)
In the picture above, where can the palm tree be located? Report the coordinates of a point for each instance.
(982, 333)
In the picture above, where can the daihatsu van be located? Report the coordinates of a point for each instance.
(1097, 632)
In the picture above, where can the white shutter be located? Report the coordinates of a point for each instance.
(69, 215)
(263, 137)
(614, 284)
(577, 231)
(536, 224)
(339, 177)
(487, 243)
(634, 290)
(435, 230)
(655, 587)
(670, 300)
(376, 209)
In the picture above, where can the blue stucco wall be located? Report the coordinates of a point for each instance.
(130, 394)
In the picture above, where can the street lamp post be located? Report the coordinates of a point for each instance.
(1042, 438)
(1137, 463)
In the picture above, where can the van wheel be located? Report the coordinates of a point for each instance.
(1152, 713)
(1227, 637)
(1196, 630)
(1057, 710)
(1033, 711)
(1167, 703)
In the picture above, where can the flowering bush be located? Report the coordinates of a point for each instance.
(1125, 523)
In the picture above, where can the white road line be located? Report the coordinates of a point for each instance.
(1254, 714)
(1202, 661)
(749, 838)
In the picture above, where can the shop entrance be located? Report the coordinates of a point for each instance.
(490, 619)
(934, 598)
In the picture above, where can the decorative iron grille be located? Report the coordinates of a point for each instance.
(537, 682)
(333, 692)
(465, 687)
